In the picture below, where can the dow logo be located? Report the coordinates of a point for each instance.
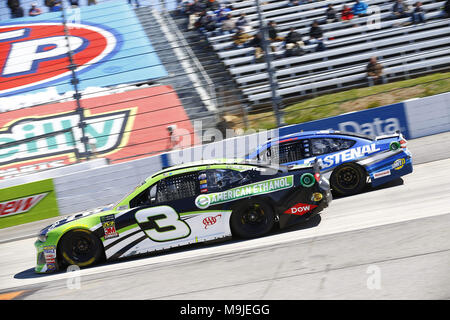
(36, 54)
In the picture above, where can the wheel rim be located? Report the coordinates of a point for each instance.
(83, 248)
(254, 217)
(348, 178)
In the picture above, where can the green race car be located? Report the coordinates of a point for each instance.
(185, 204)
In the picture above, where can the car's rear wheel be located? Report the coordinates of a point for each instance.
(348, 179)
(80, 247)
(252, 219)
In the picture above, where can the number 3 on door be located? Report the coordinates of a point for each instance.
(162, 224)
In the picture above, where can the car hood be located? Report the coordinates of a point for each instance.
(74, 217)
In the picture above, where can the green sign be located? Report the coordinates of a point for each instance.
(205, 200)
(27, 202)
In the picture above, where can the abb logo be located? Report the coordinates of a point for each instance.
(300, 209)
(22, 205)
(33, 54)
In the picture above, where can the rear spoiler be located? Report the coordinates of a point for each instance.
(397, 134)
(314, 165)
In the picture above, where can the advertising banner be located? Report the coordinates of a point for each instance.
(375, 122)
(28, 202)
(108, 44)
(120, 127)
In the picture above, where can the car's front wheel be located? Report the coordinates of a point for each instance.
(348, 179)
(80, 247)
(252, 219)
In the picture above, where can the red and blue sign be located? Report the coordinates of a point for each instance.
(107, 42)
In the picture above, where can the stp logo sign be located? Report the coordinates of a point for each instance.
(35, 54)
(300, 209)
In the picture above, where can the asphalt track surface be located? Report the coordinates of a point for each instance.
(389, 243)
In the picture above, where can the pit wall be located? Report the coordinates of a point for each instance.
(107, 184)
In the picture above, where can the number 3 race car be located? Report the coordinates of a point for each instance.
(183, 205)
(349, 161)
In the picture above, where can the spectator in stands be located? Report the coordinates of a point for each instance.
(74, 3)
(294, 43)
(194, 10)
(242, 20)
(34, 10)
(346, 13)
(331, 15)
(360, 9)
(293, 3)
(400, 10)
(446, 10)
(14, 6)
(374, 70)
(273, 35)
(316, 36)
(228, 25)
(92, 2)
(49, 4)
(241, 38)
(57, 6)
(212, 5)
(209, 23)
(17, 12)
(418, 14)
(136, 2)
(256, 42)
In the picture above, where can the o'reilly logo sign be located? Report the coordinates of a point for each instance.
(205, 200)
(105, 131)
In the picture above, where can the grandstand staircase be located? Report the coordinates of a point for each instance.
(178, 78)
(229, 97)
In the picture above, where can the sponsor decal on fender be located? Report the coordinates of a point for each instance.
(205, 200)
(300, 209)
(50, 257)
(398, 164)
(109, 226)
(382, 174)
(22, 205)
(211, 220)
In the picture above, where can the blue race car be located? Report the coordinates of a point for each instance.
(349, 160)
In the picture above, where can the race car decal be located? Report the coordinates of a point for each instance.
(267, 186)
(109, 226)
(382, 174)
(398, 164)
(162, 225)
(300, 209)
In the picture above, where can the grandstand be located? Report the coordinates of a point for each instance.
(404, 49)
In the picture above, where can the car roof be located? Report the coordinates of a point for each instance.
(194, 165)
(325, 132)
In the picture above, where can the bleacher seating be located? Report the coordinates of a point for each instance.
(404, 49)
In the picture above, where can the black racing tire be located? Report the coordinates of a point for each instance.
(80, 247)
(252, 219)
(348, 179)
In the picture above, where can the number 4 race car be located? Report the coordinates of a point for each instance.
(348, 160)
(183, 205)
